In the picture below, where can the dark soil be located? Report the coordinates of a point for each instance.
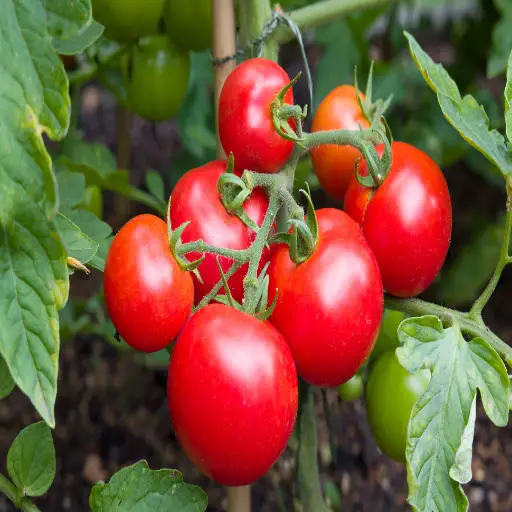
(111, 410)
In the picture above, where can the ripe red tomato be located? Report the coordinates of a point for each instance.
(329, 308)
(195, 199)
(391, 393)
(407, 220)
(148, 296)
(232, 393)
(334, 165)
(245, 122)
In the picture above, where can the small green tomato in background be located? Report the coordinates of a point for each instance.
(156, 76)
(127, 20)
(352, 389)
(189, 24)
(93, 200)
(388, 338)
(391, 393)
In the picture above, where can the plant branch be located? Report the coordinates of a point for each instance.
(323, 12)
(9, 489)
(467, 323)
(252, 17)
(200, 246)
(483, 299)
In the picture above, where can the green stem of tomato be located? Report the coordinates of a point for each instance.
(323, 12)
(479, 304)
(310, 489)
(252, 17)
(467, 322)
(200, 246)
(9, 489)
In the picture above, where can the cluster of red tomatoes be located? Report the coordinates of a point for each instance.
(232, 382)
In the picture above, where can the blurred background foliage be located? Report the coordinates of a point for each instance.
(471, 38)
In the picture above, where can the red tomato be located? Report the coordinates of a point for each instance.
(148, 296)
(233, 394)
(407, 220)
(245, 122)
(334, 165)
(195, 199)
(329, 308)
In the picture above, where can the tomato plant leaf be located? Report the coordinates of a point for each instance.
(6, 382)
(155, 185)
(97, 230)
(71, 188)
(31, 460)
(78, 245)
(461, 469)
(65, 20)
(442, 422)
(138, 488)
(196, 118)
(463, 113)
(81, 40)
(34, 282)
(508, 99)
(501, 40)
(473, 266)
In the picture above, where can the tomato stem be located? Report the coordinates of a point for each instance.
(468, 323)
(504, 259)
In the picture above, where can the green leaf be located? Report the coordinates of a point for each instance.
(31, 460)
(78, 244)
(6, 382)
(196, 116)
(34, 282)
(470, 271)
(464, 114)
(442, 421)
(155, 184)
(508, 98)
(340, 55)
(501, 40)
(96, 230)
(81, 40)
(139, 489)
(66, 18)
(71, 188)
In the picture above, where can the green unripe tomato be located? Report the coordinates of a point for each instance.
(156, 76)
(352, 389)
(391, 393)
(189, 24)
(93, 200)
(388, 337)
(128, 20)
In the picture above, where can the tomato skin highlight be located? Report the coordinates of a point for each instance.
(407, 221)
(245, 122)
(232, 394)
(156, 76)
(329, 308)
(195, 199)
(334, 165)
(148, 296)
(391, 393)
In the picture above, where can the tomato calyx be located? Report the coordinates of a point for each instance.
(373, 111)
(303, 235)
(234, 191)
(378, 168)
(282, 112)
(175, 243)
